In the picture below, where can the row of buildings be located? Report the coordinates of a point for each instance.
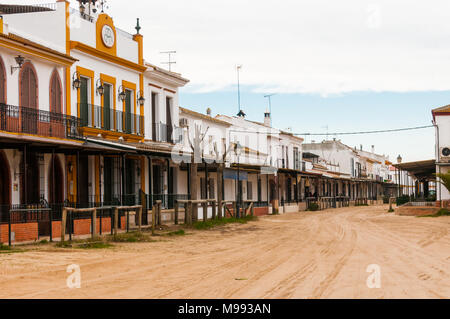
(85, 121)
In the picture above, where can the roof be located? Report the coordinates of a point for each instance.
(203, 116)
(29, 43)
(167, 72)
(423, 170)
(442, 110)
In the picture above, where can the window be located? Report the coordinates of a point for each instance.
(169, 119)
(211, 189)
(154, 119)
(352, 165)
(249, 190)
(55, 93)
(2, 82)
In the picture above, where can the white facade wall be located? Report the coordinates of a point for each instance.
(46, 28)
(442, 140)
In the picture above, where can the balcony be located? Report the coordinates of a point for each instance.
(167, 133)
(106, 119)
(24, 120)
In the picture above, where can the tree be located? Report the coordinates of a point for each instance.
(444, 180)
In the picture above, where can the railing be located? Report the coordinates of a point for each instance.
(110, 120)
(26, 120)
(167, 200)
(18, 9)
(167, 133)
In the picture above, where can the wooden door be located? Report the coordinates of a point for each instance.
(28, 100)
(84, 107)
(107, 107)
(128, 117)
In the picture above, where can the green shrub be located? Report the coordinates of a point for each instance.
(403, 200)
(313, 207)
(442, 212)
(200, 225)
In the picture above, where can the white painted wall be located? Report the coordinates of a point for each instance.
(443, 136)
(44, 70)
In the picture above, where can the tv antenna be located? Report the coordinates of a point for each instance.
(170, 62)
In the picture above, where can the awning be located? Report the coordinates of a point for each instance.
(422, 170)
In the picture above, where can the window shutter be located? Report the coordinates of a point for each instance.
(2, 84)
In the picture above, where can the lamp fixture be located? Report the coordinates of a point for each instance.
(99, 87)
(20, 60)
(76, 82)
(122, 94)
(140, 98)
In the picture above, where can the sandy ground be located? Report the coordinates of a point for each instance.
(300, 255)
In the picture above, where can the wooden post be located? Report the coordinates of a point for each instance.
(186, 213)
(94, 223)
(194, 188)
(116, 220)
(253, 210)
(205, 211)
(235, 209)
(176, 212)
(63, 224)
(219, 190)
(154, 212)
(159, 214)
(213, 207)
(140, 218)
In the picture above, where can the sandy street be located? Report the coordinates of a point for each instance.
(300, 255)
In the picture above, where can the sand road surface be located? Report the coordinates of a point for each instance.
(300, 255)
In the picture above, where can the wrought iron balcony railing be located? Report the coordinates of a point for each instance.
(110, 120)
(24, 120)
(167, 133)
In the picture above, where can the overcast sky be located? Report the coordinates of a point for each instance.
(331, 62)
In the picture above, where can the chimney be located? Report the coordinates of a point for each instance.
(373, 149)
(208, 111)
(361, 147)
(267, 118)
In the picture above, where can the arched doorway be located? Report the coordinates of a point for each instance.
(5, 187)
(28, 85)
(56, 182)
(30, 189)
(55, 93)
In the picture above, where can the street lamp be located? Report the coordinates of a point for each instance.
(238, 69)
(76, 82)
(140, 99)
(122, 94)
(100, 87)
(238, 151)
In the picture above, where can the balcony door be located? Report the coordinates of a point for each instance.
(55, 94)
(128, 117)
(29, 99)
(2, 96)
(84, 107)
(107, 106)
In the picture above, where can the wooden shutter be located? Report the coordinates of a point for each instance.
(25, 87)
(2, 84)
(28, 88)
(55, 94)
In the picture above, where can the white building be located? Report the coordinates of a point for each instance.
(441, 119)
